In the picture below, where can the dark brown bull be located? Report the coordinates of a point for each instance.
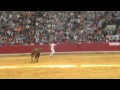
(35, 54)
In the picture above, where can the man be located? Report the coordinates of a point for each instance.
(52, 45)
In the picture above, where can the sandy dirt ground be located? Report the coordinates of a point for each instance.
(77, 72)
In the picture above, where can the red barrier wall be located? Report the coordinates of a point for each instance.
(61, 48)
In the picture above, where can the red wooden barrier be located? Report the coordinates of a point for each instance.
(61, 48)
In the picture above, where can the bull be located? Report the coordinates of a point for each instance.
(35, 54)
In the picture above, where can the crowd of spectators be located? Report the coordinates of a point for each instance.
(42, 27)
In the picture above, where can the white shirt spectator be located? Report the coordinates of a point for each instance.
(36, 24)
(10, 16)
(8, 32)
(27, 27)
(18, 15)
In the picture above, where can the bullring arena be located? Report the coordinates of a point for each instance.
(88, 44)
(83, 65)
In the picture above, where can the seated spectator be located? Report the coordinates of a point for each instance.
(32, 44)
(41, 43)
(62, 26)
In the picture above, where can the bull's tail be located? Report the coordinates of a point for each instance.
(32, 55)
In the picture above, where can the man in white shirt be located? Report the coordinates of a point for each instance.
(52, 45)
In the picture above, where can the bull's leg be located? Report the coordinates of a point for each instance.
(37, 59)
(34, 59)
(31, 59)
